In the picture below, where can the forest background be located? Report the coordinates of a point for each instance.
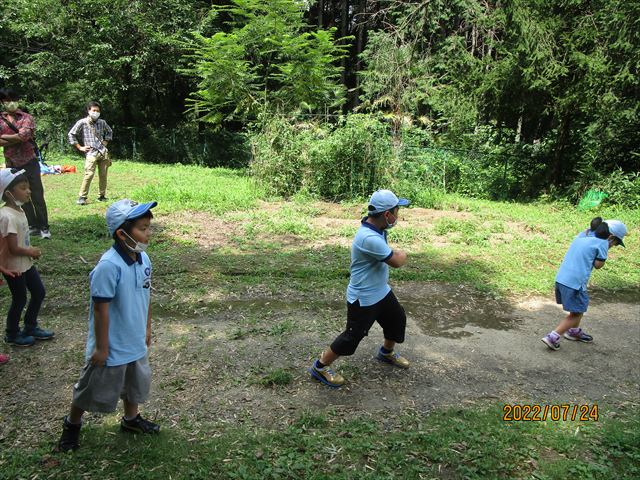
(494, 99)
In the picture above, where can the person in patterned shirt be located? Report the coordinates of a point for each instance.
(96, 133)
(17, 132)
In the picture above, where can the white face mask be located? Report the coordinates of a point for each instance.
(94, 115)
(391, 225)
(139, 247)
(11, 106)
(17, 202)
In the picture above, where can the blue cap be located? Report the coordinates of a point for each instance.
(123, 210)
(617, 229)
(384, 200)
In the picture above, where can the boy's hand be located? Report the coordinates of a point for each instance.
(8, 273)
(34, 252)
(83, 149)
(99, 357)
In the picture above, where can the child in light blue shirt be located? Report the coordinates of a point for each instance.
(369, 296)
(585, 253)
(119, 327)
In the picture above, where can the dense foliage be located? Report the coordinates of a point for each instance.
(534, 97)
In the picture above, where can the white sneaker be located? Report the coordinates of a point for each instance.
(45, 233)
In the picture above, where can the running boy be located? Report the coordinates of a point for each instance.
(119, 327)
(583, 255)
(17, 255)
(369, 297)
(96, 134)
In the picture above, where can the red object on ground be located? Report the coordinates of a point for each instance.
(3, 359)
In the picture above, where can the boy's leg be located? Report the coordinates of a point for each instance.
(576, 302)
(136, 390)
(71, 425)
(359, 321)
(89, 172)
(393, 321)
(18, 288)
(572, 320)
(103, 166)
(36, 289)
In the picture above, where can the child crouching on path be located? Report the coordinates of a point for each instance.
(584, 254)
(369, 297)
(16, 255)
(119, 335)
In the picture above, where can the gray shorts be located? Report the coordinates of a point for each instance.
(99, 388)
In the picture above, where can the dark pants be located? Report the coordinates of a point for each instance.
(36, 209)
(29, 280)
(387, 312)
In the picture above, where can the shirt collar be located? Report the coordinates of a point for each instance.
(372, 227)
(125, 256)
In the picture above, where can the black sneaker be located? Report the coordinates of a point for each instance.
(139, 425)
(38, 333)
(20, 340)
(102, 198)
(70, 436)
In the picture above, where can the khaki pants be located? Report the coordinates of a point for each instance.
(103, 162)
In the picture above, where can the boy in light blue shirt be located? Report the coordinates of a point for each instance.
(369, 296)
(585, 253)
(119, 327)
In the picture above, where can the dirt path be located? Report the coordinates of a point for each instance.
(465, 348)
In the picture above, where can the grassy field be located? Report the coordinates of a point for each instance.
(220, 247)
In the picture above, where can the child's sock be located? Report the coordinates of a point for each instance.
(319, 365)
(385, 351)
(129, 419)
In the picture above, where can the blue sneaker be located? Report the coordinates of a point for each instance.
(577, 335)
(326, 375)
(20, 340)
(38, 333)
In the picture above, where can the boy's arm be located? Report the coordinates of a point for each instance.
(16, 251)
(148, 338)
(101, 328)
(598, 264)
(397, 259)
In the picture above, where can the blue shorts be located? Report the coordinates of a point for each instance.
(572, 300)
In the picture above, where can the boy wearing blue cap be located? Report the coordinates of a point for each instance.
(119, 327)
(585, 253)
(369, 297)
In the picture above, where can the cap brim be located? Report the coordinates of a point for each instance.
(140, 210)
(403, 202)
(621, 242)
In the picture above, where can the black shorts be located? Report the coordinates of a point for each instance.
(387, 312)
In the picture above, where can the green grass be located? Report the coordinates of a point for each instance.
(501, 247)
(451, 443)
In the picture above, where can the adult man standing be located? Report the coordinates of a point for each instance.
(17, 132)
(96, 133)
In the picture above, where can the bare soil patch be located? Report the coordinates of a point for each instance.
(465, 347)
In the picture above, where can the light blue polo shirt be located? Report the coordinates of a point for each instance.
(369, 272)
(126, 285)
(576, 267)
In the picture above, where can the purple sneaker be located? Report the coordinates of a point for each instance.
(552, 341)
(577, 335)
